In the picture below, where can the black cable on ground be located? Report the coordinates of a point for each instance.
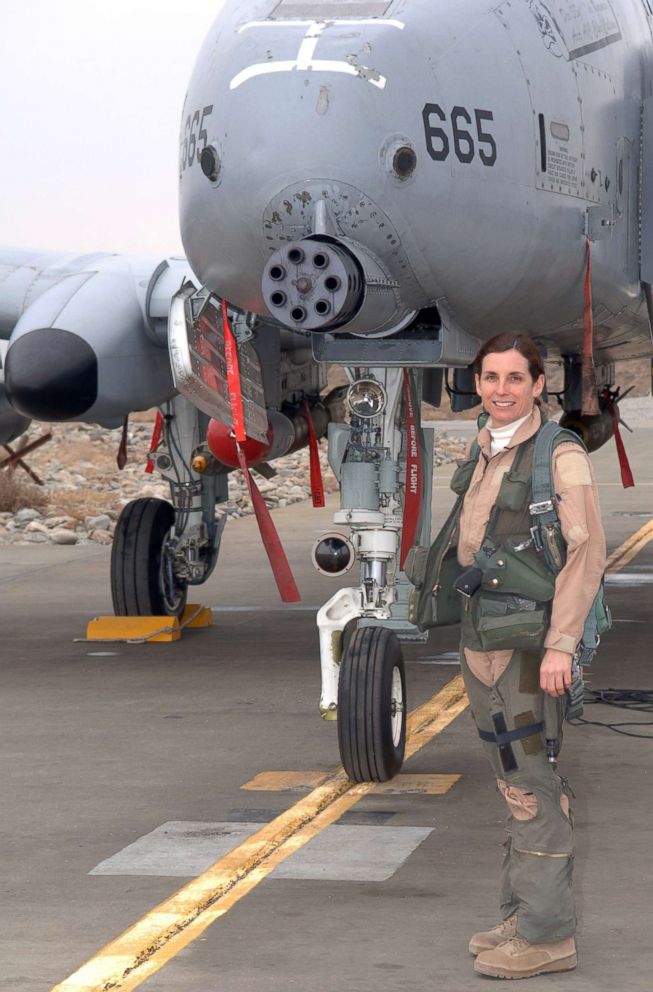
(635, 700)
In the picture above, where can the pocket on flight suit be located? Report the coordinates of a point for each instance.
(502, 622)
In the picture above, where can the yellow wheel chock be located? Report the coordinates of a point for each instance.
(147, 630)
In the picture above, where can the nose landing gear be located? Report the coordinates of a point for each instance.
(363, 677)
(371, 706)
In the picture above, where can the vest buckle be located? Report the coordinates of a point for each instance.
(544, 507)
(538, 544)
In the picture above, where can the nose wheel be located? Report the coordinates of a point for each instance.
(372, 705)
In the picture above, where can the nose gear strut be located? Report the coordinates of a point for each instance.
(384, 465)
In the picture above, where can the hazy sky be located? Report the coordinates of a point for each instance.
(91, 97)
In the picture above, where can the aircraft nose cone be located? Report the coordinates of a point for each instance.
(51, 374)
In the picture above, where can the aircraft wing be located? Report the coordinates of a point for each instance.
(86, 334)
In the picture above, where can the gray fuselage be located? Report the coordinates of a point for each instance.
(519, 125)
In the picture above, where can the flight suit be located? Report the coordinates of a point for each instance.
(514, 717)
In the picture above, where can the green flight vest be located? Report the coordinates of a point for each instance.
(521, 553)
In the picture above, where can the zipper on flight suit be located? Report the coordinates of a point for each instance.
(455, 534)
(552, 545)
(436, 586)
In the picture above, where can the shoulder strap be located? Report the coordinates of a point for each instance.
(546, 529)
(543, 511)
(549, 437)
(463, 475)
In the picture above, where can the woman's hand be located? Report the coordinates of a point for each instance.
(555, 672)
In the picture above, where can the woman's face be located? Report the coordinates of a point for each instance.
(506, 387)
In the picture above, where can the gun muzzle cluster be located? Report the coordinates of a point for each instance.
(327, 284)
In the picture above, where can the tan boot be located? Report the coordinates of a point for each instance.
(516, 958)
(485, 940)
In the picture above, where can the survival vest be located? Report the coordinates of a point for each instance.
(522, 552)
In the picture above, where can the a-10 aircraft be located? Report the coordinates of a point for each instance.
(379, 184)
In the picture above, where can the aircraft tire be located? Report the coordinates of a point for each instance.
(372, 705)
(139, 584)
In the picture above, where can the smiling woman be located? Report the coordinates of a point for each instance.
(519, 562)
(509, 377)
(522, 625)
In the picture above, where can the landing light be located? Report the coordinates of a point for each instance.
(366, 398)
(333, 554)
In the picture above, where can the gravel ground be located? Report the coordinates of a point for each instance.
(85, 491)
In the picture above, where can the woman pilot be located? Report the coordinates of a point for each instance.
(517, 651)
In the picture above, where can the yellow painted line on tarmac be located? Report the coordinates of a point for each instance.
(416, 785)
(285, 781)
(400, 785)
(630, 548)
(162, 933)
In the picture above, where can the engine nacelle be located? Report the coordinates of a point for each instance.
(92, 344)
(12, 424)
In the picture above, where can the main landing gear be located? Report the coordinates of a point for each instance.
(161, 548)
(383, 460)
(143, 579)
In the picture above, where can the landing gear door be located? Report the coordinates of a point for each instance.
(199, 366)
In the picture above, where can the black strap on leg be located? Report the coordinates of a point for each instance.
(504, 738)
(511, 735)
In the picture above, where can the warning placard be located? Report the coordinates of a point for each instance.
(583, 26)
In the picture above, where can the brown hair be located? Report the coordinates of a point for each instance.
(508, 341)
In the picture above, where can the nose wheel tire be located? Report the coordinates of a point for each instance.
(372, 706)
(142, 577)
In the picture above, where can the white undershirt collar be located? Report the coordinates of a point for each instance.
(502, 436)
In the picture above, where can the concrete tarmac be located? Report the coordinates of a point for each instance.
(123, 767)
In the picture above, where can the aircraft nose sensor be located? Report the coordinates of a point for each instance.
(322, 284)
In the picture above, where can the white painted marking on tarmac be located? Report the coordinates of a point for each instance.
(629, 579)
(182, 848)
(102, 654)
(631, 513)
(354, 854)
(257, 608)
(341, 853)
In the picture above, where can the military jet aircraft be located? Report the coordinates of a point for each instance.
(382, 185)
